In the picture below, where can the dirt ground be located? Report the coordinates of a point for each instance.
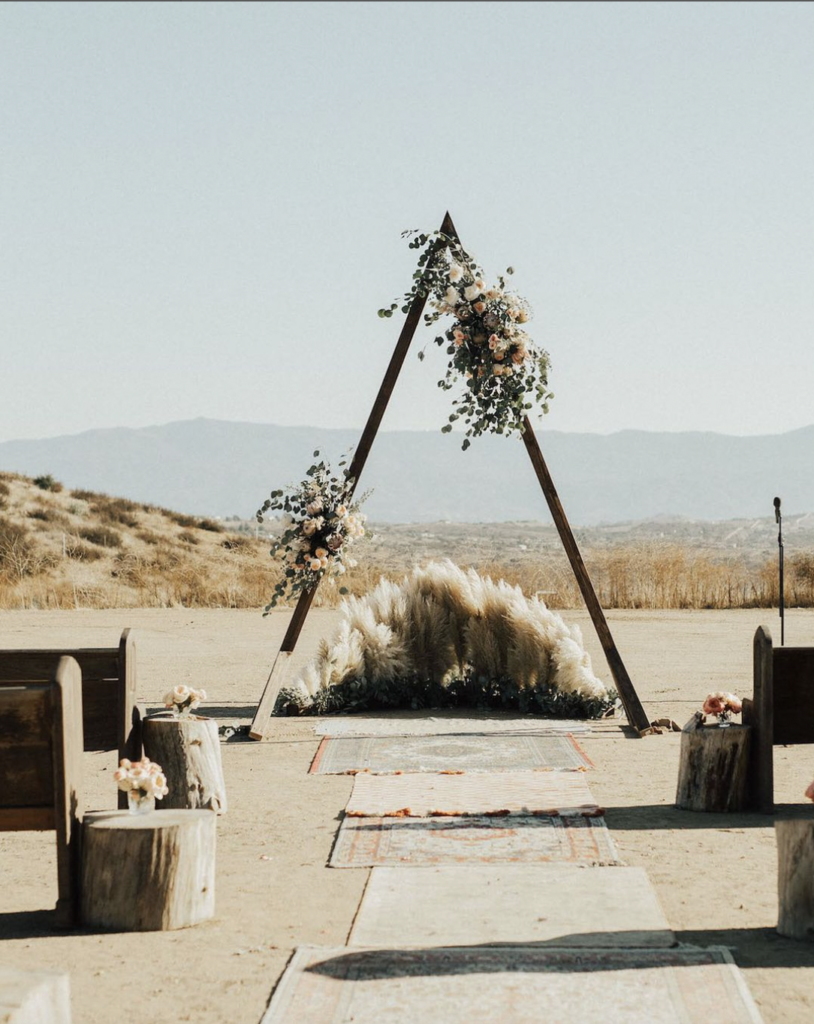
(715, 874)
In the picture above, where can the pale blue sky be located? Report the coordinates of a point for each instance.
(200, 206)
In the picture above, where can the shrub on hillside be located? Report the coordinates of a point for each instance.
(102, 536)
(148, 537)
(236, 543)
(79, 552)
(18, 556)
(47, 483)
(187, 537)
(210, 524)
(48, 515)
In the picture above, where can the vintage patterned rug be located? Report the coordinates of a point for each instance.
(450, 723)
(371, 842)
(422, 795)
(481, 985)
(381, 754)
(521, 904)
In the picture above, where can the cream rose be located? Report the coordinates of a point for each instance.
(456, 272)
(472, 292)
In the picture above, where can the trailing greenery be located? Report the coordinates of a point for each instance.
(500, 367)
(357, 695)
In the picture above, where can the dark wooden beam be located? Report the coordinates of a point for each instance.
(272, 688)
(630, 699)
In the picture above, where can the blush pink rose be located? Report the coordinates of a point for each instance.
(713, 705)
(810, 792)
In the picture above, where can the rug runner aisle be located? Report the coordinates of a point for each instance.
(480, 793)
(482, 936)
(383, 754)
(516, 985)
(520, 904)
(477, 839)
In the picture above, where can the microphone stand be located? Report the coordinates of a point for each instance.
(779, 520)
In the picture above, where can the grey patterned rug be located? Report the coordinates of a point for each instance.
(389, 754)
(524, 985)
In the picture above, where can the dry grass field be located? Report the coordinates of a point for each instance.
(78, 549)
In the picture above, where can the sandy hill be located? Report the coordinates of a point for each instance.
(63, 548)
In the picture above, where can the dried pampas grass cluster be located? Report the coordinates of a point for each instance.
(443, 623)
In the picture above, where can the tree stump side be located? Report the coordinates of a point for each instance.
(188, 749)
(149, 872)
(713, 768)
(795, 878)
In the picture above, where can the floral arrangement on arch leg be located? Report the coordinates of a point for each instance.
(320, 522)
(489, 349)
(722, 705)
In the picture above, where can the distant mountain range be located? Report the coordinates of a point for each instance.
(217, 468)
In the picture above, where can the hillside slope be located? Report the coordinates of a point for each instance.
(75, 549)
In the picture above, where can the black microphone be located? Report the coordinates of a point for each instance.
(777, 510)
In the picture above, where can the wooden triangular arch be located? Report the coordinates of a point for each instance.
(633, 707)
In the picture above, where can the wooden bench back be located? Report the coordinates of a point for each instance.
(108, 690)
(41, 767)
(781, 710)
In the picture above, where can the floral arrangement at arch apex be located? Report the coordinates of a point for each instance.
(320, 522)
(489, 349)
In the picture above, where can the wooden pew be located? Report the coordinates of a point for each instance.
(111, 718)
(41, 768)
(781, 711)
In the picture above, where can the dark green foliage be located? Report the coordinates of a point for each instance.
(47, 483)
(355, 695)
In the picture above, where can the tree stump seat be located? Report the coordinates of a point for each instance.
(795, 875)
(714, 765)
(148, 872)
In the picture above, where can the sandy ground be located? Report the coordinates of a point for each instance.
(715, 874)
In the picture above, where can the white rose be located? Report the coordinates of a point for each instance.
(451, 297)
(456, 272)
(180, 694)
(472, 292)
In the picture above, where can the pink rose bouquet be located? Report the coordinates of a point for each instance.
(722, 705)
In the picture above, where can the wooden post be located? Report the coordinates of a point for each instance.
(713, 768)
(148, 872)
(636, 714)
(795, 878)
(188, 749)
(68, 800)
(761, 718)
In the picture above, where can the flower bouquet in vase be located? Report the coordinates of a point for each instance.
(723, 706)
(143, 781)
(183, 700)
